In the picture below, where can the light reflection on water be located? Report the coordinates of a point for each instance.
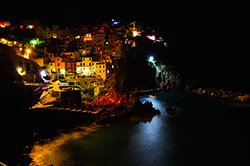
(157, 104)
(125, 143)
(206, 132)
(50, 153)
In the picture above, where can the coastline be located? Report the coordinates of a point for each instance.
(215, 126)
(43, 125)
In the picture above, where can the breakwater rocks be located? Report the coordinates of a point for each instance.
(137, 112)
(143, 112)
(224, 94)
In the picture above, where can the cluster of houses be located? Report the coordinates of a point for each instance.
(86, 52)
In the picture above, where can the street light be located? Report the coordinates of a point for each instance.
(151, 59)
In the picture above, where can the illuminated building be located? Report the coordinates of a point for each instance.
(4, 24)
(87, 67)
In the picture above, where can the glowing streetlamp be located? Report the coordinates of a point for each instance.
(151, 59)
(21, 71)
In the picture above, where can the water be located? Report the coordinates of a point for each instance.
(204, 131)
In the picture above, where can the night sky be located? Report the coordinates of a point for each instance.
(75, 12)
(179, 23)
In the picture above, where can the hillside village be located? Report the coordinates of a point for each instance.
(82, 59)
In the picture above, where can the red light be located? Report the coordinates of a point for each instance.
(101, 30)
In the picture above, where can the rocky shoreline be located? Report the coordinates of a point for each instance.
(224, 94)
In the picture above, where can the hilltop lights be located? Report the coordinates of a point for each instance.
(115, 22)
(136, 33)
(153, 38)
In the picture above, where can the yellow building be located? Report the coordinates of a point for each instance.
(87, 67)
(84, 66)
(100, 70)
(51, 67)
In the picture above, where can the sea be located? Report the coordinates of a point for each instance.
(202, 131)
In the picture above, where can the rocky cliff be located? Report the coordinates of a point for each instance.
(135, 72)
(14, 94)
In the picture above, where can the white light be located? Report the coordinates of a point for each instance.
(19, 69)
(151, 37)
(43, 73)
(62, 71)
(151, 59)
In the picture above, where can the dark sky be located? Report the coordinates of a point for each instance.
(180, 23)
(90, 11)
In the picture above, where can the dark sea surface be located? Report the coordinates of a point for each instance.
(203, 131)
